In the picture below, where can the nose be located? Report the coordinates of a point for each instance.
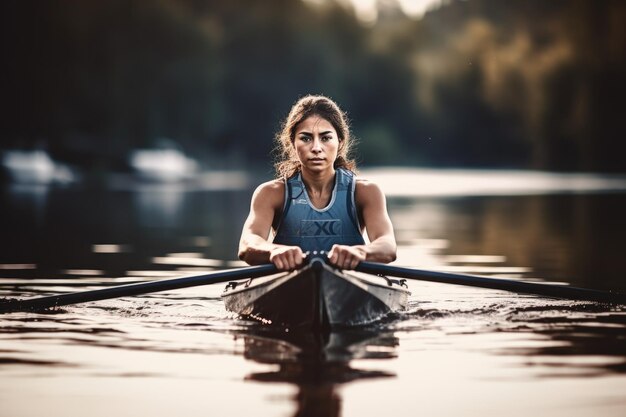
(317, 146)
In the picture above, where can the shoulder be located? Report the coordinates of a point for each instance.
(270, 189)
(364, 185)
(270, 192)
(272, 186)
(366, 191)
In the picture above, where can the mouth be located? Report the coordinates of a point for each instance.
(316, 159)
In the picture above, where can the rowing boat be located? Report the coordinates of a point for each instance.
(316, 296)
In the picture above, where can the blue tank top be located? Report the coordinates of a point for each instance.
(313, 229)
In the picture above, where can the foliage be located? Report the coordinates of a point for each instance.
(521, 83)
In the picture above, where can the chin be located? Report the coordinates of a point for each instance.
(318, 167)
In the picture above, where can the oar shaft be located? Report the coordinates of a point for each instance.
(137, 288)
(548, 290)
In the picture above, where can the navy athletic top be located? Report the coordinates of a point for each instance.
(313, 229)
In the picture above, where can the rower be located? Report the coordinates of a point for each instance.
(316, 202)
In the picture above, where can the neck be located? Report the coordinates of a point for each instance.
(320, 181)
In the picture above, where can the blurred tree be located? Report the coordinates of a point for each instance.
(474, 83)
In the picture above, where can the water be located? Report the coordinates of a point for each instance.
(456, 351)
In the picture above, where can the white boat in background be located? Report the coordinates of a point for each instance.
(167, 167)
(163, 165)
(35, 167)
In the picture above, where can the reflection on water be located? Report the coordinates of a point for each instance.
(159, 208)
(567, 238)
(489, 348)
(318, 363)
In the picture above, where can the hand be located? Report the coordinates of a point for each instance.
(287, 258)
(346, 257)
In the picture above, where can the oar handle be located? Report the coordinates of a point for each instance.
(548, 290)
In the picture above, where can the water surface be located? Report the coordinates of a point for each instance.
(456, 351)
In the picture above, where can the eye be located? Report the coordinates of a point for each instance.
(304, 138)
(327, 138)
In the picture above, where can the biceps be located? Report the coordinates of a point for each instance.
(259, 221)
(377, 222)
(257, 225)
(379, 228)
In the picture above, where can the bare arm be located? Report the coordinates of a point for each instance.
(254, 247)
(371, 202)
(382, 246)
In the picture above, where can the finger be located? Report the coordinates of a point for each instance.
(340, 260)
(284, 257)
(347, 261)
(275, 258)
(299, 257)
(291, 259)
(279, 264)
(354, 263)
(340, 255)
(332, 254)
(350, 258)
(357, 260)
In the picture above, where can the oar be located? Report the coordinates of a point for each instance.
(548, 290)
(136, 289)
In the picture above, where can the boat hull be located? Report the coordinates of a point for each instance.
(316, 296)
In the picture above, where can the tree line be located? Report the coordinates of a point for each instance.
(475, 83)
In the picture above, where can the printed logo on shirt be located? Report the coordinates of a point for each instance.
(315, 228)
(300, 201)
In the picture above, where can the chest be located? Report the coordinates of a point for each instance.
(321, 200)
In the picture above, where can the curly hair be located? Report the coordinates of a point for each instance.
(287, 163)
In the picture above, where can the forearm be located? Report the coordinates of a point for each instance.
(382, 250)
(254, 250)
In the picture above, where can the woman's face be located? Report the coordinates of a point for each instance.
(316, 144)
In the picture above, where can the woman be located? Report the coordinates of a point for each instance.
(316, 203)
